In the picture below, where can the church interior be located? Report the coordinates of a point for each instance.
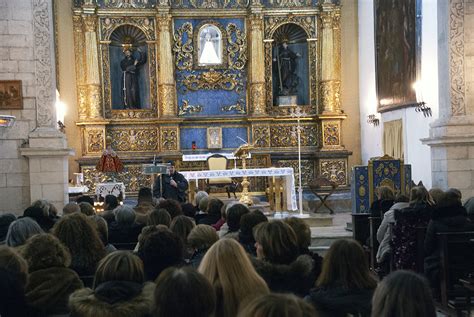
(304, 109)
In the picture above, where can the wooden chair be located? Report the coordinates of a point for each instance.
(361, 231)
(219, 162)
(457, 262)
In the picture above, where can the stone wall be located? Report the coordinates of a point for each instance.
(16, 62)
(33, 154)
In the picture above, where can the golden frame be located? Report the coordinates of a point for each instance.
(222, 30)
(214, 138)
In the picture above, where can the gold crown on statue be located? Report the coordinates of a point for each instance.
(127, 47)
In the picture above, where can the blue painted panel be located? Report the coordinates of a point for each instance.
(387, 172)
(230, 137)
(360, 189)
(188, 135)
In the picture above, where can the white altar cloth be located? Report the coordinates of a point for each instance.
(204, 156)
(104, 189)
(287, 172)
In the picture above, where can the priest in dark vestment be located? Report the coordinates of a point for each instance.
(130, 67)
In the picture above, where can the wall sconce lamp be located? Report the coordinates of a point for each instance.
(7, 121)
(420, 105)
(372, 119)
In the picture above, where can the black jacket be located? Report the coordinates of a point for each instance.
(163, 188)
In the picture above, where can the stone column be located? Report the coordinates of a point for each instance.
(452, 134)
(46, 151)
(166, 84)
(330, 82)
(91, 59)
(257, 62)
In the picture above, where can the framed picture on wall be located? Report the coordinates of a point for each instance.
(214, 138)
(10, 95)
(397, 52)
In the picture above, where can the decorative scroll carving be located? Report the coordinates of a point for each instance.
(308, 23)
(132, 177)
(186, 108)
(239, 107)
(108, 25)
(237, 47)
(327, 93)
(132, 114)
(184, 51)
(257, 97)
(307, 169)
(283, 135)
(95, 140)
(169, 139)
(313, 75)
(82, 102)
(126, 4)
(167, 97)
(261, 135)
(331, 133)
(95, 102)
(210, 4)
(291, 3)
(334, 170)
(44, 75)
(213, 80)
(456, 60)
(134, 139)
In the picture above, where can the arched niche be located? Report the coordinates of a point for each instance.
(129, 71)
(290, 66)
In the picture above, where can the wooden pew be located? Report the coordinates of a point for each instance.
(374, 224)
(456, 262)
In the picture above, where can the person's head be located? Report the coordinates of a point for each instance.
(284, 44)
(35, 212)
(128, 53)
(401, 198)
(302, 231)
(455, 192)
(86, 199)
(110, 202)
(199, 195)
(145, 195)
(49, 210)
(202, 237)
(469, 205)
(385, 193)
(278, 305)
(78, 233)
(102, 228)
(20, 230)
(228, 268)
(403, 294)
(86, 208)
(43, 251)
(188, 209)
(125, 215)
(182, 226)
(119, 266)
(203, 203)
(214, 207)
(71, 208)
(171, 167)
(449, 199)
(14, 264)
(419, 195)
(5, 221)
(247, 223)
(159, 216)
(276, 242)
(234, 214)
(161, 249)
(183, 292)
(172, 207)
(346, 265)
(436, 194)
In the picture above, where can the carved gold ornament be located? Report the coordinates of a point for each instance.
(307, 169)
(238, 107)
(186, 108)
(169, 139)
(261, 135)
(183, 52)
(213, 80)
(334, 170)
(331, 133)
(236, 47)
(95, 140)
(134, 139)
(282, 136)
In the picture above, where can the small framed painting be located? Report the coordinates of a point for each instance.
(10, 95)
(214, 138)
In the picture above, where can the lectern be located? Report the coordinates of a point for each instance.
(242, 152)
(153, 170)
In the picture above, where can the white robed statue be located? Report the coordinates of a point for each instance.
(208, 53)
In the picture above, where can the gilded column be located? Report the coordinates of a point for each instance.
(80, 67)
(328, 66)
(257, 63)
(337, 59)
(166, 85)
(91, 59)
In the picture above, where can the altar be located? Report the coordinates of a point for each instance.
(287, 174)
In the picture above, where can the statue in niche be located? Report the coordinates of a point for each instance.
(130, 66)
(286, 65)
(210, 46)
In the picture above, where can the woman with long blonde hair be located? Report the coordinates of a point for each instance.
(235, 281)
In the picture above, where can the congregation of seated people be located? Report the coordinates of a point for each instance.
(208, 258)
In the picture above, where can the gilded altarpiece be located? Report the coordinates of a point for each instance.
(204, 64)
